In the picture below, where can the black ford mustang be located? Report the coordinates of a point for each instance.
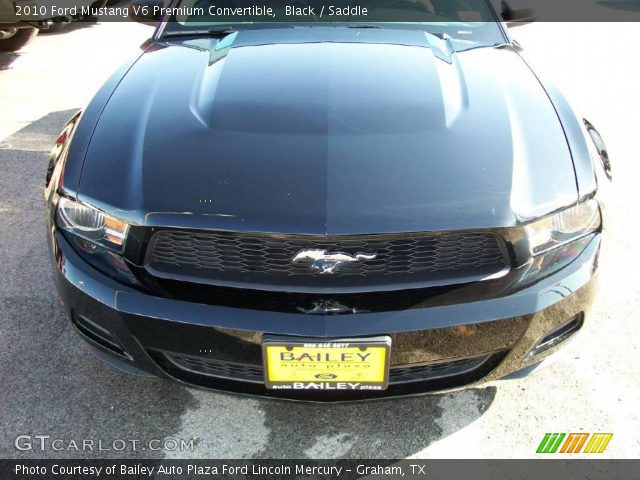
(327, 211)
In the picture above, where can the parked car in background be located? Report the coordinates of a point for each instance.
(20, 21)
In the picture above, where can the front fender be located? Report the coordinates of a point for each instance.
(86, 126)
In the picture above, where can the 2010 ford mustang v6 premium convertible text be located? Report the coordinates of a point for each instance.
(327, 211)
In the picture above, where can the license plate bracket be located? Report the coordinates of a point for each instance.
(296, 363)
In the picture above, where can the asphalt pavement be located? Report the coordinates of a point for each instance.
(51, 385)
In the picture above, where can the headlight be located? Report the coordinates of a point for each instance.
(563, 227)
(91, 224)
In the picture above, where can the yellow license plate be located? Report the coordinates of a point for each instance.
(308, 364)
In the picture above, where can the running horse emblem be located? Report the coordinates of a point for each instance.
(328, 263)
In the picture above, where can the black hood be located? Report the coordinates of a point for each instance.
(344, 131)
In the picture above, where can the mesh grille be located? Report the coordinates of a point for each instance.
(266, 257)
(415, 373)
(254, 373)
(217, 368)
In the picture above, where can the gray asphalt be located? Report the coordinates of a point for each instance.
(50, 385)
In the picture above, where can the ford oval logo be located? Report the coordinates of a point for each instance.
(325, 376)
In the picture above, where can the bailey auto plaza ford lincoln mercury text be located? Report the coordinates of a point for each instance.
(328, 211)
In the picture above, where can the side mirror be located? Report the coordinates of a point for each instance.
(146, 11)
(515, 18)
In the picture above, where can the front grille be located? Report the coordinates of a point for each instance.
(217, 368)
(266, 259)
(429, 371)
(254, 373)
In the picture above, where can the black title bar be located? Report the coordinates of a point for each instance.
(562, 468)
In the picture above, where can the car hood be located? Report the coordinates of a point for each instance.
(331, 132)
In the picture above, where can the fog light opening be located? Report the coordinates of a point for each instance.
(557, 336)
(99, 335)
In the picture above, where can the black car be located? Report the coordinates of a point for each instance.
(327, 210)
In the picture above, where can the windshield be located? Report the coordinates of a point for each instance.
(469, 21)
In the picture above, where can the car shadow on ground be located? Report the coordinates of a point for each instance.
(52, 386)
(7, 58)
(394, 428)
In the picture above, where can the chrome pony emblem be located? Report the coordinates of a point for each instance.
(323, 307)
(326, 262)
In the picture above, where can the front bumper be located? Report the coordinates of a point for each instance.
(433, 349)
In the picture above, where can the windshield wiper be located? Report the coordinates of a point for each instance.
(465, 48)
(213, 32)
